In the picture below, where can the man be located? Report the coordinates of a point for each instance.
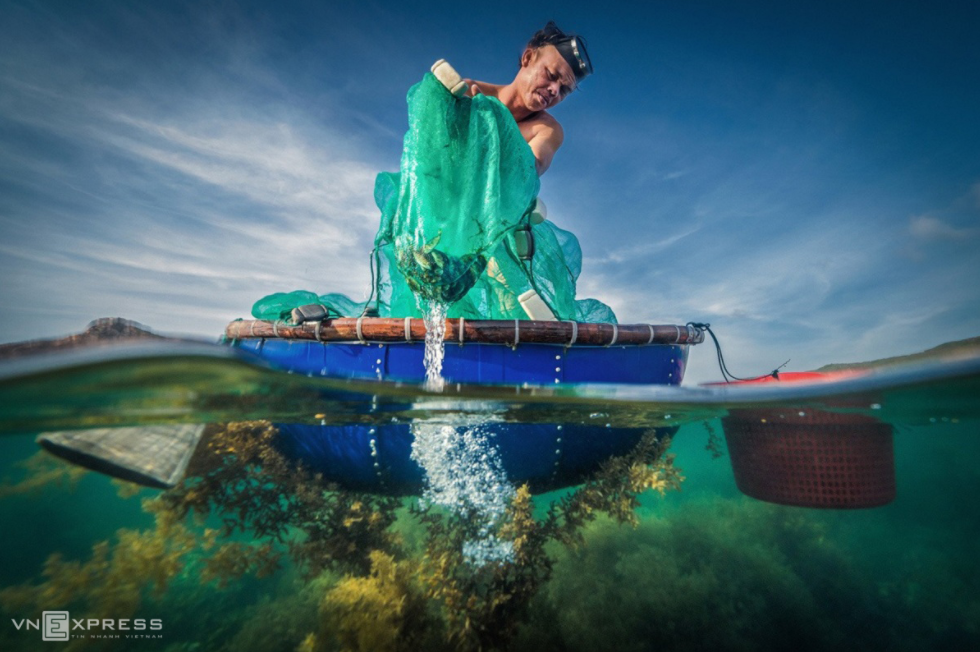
(463, 213)
(552, 65)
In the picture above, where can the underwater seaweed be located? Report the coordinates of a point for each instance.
(238, 474)
(395, 594)
(483, 605)
(42, 470)
(385, 611)
(722, 574)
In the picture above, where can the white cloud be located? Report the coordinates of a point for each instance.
(178, 214)
(926, 227)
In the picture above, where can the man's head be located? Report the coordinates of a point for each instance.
(551, 67)
(570, 46)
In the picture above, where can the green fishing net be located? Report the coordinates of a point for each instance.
(448, 221)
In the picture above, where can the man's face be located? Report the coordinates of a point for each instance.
(547, 78)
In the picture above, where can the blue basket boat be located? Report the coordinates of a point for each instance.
(377, 457)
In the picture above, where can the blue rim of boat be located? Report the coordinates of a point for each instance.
(484, 352)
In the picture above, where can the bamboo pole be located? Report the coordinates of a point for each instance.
(503, 331)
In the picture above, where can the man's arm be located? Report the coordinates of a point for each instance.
(544, 143)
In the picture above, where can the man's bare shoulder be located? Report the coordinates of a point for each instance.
(549, 121)
(543, 124)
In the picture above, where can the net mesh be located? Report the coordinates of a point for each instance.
(467, 183)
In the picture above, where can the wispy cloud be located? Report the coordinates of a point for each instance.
(926, 227)
(179, 215)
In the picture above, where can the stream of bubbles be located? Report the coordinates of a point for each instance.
(463, 471)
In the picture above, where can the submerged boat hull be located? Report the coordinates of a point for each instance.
(380, 459)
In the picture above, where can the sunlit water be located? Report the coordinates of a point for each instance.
(707, 567)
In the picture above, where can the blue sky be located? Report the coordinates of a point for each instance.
(806, 178)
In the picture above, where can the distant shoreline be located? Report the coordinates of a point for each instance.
(956, 349)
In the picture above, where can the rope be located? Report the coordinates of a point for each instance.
(517, 333)
(374, 283)
(360, 336)
(650, 341)
(408, 329)
(614, 337)
(462, 329)
(721, 358)
(574, 333)
(317, 328)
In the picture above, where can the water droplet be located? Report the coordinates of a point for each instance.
(876, 406)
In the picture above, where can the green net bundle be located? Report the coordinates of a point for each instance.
(448, 221)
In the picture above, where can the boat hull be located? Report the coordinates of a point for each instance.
(379, 457)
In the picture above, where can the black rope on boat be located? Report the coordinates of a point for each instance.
(726, 374)
(374, 287)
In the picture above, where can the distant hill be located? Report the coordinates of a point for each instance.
(960, 348)
(100, 331)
